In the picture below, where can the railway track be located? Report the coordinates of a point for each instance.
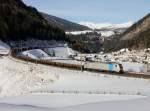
(77, 67)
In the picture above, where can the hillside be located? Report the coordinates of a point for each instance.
(18, 21)
(64, 24)
(137, 36)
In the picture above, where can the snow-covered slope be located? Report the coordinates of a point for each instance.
(4, 48)
(93, 25)
(53, 87)
(61, 52)
(35, 54)
(60, 100)
(19, 77)
(24, 77)
(129, 105)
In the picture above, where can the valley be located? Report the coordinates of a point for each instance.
(52, 58)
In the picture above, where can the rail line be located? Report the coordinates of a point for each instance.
(76, 66)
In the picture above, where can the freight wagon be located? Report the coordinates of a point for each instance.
(104, 67)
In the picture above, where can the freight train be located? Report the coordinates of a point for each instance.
(104, 67)
(91, 66)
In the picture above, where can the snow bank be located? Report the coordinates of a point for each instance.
(60, 52)
(4, 48)
(13, 107)
(96, 91)
(53, 53)
(130, 105)
(65, 100)
(24, 77)
(96, 83)
(35, 54)
(20, 77)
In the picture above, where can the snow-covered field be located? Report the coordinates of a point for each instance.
(29, 87)
(19, 77)
(129, 105)
(58, 100)
(44, 88)
(35, 54)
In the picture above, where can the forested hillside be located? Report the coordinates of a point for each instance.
(18, 21)
(135, 37)
(64, 24)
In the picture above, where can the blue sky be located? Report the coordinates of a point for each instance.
(112, 11)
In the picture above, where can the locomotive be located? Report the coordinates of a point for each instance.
(104, 67)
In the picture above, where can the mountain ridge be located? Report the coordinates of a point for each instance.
(109, 26)
(137, 36)
(64, 24)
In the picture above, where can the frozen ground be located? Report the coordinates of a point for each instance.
(129, 105)
(26, 77)
(19, 77)
(85, 82)
(59, 100)
(44, 88)
(35, 54)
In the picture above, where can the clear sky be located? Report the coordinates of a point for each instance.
(112, 11)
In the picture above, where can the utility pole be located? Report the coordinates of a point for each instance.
(81, 57)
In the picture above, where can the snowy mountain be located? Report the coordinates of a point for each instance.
(93, 25)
